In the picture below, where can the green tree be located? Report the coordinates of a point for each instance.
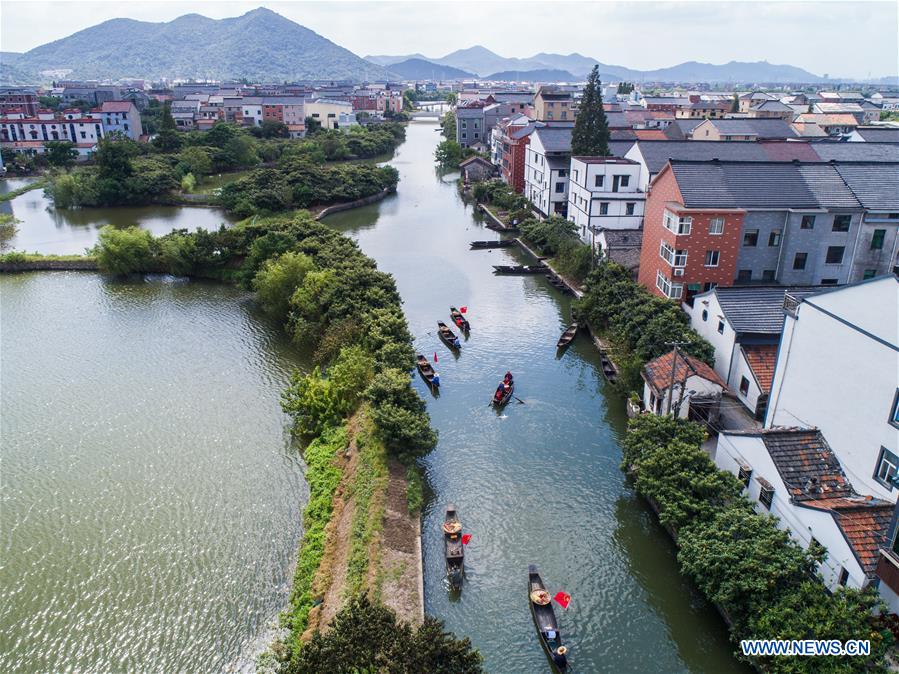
(167, 139)
(195, 160)
(271, 128)
(188, 182)
(312, 401)
(8, 230)
(448, 154)
(449, 125)
(367, 637)
(590, 136)
(124, 251)
(279, 279)
(242, 151)
(452, 98)
(735, 104)
(312, 126)
(60, 153)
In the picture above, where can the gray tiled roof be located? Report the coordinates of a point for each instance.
(742, 185)
(875, 185)
(879, 152)
(657, 153)
(555, 139)
(807, 465)
(758, 309)
(761, 128)
(827, 186)
(879, 135)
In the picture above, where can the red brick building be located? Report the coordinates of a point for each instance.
(686, 250)
(512, 138)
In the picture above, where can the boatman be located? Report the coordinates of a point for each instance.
(436, 378)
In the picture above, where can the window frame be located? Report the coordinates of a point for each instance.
(766, 496)
(840, 217)
(842, 250)
(753, 235)
(807, 218)
(796, 259)
(744, 475)
(744, 385)
(878, 236)
(716, 223)
(774, 237)
(893, 461)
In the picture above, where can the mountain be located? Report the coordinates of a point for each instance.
(421, 69)
(481, 61)
(384, 60)
(539, 75)
(260, 45)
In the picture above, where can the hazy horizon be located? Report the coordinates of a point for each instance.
(643, 35)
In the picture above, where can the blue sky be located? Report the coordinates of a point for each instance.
(857, 39)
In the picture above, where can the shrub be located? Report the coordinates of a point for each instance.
(124, 251)
(279, 279)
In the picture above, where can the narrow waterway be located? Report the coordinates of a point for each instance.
(44, 229)
(538, 483)
(151, 497)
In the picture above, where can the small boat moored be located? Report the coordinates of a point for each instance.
(453, 549)
(460, 320)
(545, 620)
(428, 373)
(567, 336)
(448, 336)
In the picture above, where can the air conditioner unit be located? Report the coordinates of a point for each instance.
(678, 271)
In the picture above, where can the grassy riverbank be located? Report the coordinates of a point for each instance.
(9, 196)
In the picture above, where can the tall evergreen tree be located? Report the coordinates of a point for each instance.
(735, 104)
(590, 136)
(167, 139)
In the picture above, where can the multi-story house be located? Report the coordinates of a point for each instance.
(552, 103)
(711, 223)
(748, 129)
(27, 135)
(508, 145)
(833, 124)
(699, 108)
(331, 114)
(772, 110)
(185, 112)
(119, 117)
(547, 158)
(18, 99)
(604, 193)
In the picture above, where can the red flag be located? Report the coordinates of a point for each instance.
(563, 598)
(435, 356)
(462, 310)
(466, 538)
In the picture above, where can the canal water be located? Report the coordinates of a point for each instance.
(151, 498)
(539, 482)
(44, 229)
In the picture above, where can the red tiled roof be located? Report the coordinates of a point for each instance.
(789, 150)
(761, 359)
(650, 134)
(658, 371)
(864, 521)
(116, 106)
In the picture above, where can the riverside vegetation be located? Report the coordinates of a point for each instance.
(764, 583)
(358, 400)
(285, 173)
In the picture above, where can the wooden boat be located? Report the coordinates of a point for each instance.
(567, 336)
(497, 243)
(448, 336)
(427, 372)
(520, 269)
(460, 320)
(507, 396)
(545, 620)
(609, 370)
(453, 549)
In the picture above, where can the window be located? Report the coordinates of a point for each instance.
(604, 208)
(751, 237)
(676, 258)
(560, 187)
(744, 275)
(828, 282)
(669, 289)
(834, 254)
(744, 386)
(799, 260)
(720, 326)
(625, 181)
(844, 576)
(597, 180)
(894, 411)
(869, 273)
(887, 463)
(774, 238)
(745, 475)
(808, 222)
(841, 223)
(716, 226)
(629, 208)
(877, 239)
(711, 258)
(677, 225)
(766, 495)
(705, 315)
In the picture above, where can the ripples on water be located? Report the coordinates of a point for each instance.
(151, 499)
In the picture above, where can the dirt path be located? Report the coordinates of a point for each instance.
(401, 552)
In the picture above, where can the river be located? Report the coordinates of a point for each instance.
(538, 483)
(151, 497)
(44, 229)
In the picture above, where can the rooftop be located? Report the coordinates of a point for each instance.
(761, 359)
(756, 309)
(657, 372)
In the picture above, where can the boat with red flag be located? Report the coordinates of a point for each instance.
(459, 319)
(545, 619)
(504, 391)
(453, 547)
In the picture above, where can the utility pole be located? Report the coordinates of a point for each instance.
(676, 346)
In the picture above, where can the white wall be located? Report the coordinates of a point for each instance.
(802, 523)
(741, 369)
(724, 343)
(841, 380)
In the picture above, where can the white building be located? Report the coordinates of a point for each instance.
(546, 169)
(694, 390)
(744, 324)
(331, 114)
(604, 193)
(838, 370)
(793, 474)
